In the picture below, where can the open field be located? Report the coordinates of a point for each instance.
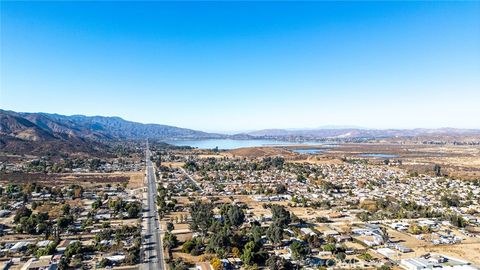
(132, 179)
(456, 161)
(254, 152)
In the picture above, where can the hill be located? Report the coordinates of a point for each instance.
(42, 132)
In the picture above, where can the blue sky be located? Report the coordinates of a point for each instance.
(246, 65)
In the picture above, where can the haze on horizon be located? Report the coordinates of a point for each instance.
(239, 66)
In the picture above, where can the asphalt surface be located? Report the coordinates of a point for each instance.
(192, 180)
(152, 243)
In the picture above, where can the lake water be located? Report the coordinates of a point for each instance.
(376, 155)
(228, 144)
(307, 151)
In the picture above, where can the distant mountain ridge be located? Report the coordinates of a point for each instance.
(39, 132)
(45, 133)
(360, 133)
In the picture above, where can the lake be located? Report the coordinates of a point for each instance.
(307, 151)
(228, 144)
(377, 155)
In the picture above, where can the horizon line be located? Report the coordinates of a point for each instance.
(246, 131)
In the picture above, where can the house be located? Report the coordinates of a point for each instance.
(403, 248)
(372, 240)
(116, 259)
(387, 252)
(428, 223)
(435, 261)
(64, 244)
(44, 243)
(235, 262)
(335, 215)
(342, 238)
(4, 213)
(400, 226)
(42, 263)
(19, 246)
(307, 231)
(330, 233)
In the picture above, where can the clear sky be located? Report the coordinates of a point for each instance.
(246, 65)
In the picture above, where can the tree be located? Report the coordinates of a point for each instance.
(104, 263)
(280, 216)
(233, 214)
(314, 241)
(329, 247)
(280, 188)
(236, 252)
(188, 246)
(170, 226)
(366, 257)
(301, 178)
(457, 220)
(248, 253)
(116, 205)
(437, 170)
(66, 209)
(219, 242)
(216, 264)
(64, 222)
(27, 225)
(340, 256)
(63, 264)
(190, 165)
(73, 249)
(202, 217)
(177, 264)
(169, 241)
(97, 204)
(134, 209)
(278, 263)
(299, 250)
(22, 212)
(275, 233)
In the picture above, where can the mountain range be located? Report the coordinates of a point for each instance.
(339, 133)
(40, 133)
(43, 132)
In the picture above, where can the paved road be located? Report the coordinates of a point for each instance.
(192, 180)
(152, 243)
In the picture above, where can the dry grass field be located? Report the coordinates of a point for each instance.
(256, 152)
(173, 164)
(136, 179)
(132, 179)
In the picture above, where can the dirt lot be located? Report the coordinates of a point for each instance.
(257, 152)
(468, 249)
(173, 164)
(136, 180)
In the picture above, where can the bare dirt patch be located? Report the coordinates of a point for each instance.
(136, 180)
(55, 179)
(466, 251)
